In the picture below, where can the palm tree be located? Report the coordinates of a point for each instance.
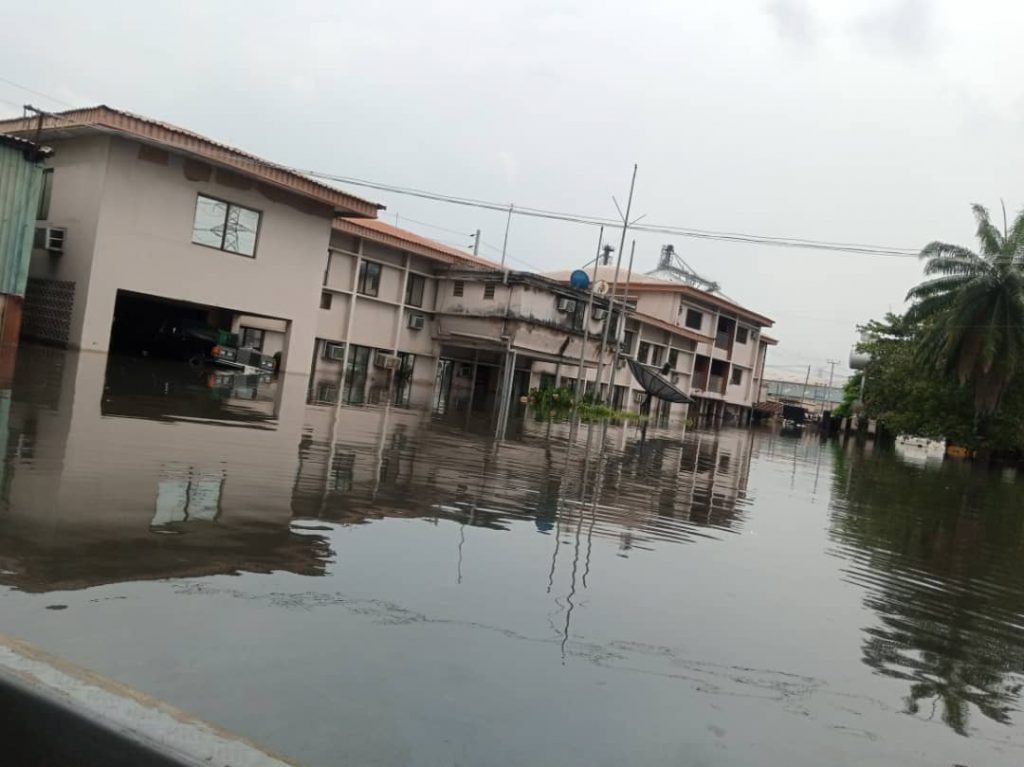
(971, 310)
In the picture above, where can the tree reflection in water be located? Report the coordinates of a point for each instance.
(939, 554)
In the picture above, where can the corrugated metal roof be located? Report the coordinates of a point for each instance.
(20, 179)
(146, 129)
(403, 239)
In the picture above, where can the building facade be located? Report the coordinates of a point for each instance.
(161, 225)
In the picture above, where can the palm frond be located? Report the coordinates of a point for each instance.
(989, 236)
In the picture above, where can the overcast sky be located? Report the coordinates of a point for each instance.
(864, 121)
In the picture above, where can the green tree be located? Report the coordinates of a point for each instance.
(971, 310)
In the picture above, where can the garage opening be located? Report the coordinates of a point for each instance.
(151, 326)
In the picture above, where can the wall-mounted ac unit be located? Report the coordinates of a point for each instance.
(416, 321)
(600, 314)
(385, 361)
(566, 305)
(50, 238)
(334, 351)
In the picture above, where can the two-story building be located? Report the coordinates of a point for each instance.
(158, 222)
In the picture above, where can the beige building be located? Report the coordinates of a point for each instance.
(161, 226)
(156, 217)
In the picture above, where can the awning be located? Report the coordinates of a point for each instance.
(656, 385)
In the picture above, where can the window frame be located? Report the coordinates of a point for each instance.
(364, 267)
(45, 195)
(643, 352)
(227, 210)
(700, 318)
(745, 332)
(458, 288)
(489, 291)
(657, 351)
(732, 376)
(673, 358)
(415, 279)
(244, 329)
(326, 300)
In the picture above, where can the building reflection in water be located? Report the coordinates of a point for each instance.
(120, 470)
(939, 554)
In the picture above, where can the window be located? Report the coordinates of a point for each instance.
(673, 358)
(355, 374)
(627, 341)
(326, 299)
(656, 352)
(252, 338)
(414, 290)
(45, 191)
(642, 352)
(326, 392)
(489, 291)
(694, 319)
(403, 379)
(457, 288)
(741, 335)
(737, 377)
(369, 278)
(225, 226)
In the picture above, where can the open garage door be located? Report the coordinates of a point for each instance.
(146, 325)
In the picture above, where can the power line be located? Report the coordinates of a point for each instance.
(523, 210)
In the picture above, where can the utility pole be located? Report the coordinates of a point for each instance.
(831, 373)
(807, 380)
(504, 245)
(476, 243)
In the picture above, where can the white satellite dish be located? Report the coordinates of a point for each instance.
(601, 287)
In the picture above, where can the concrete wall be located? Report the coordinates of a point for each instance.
(141, 236)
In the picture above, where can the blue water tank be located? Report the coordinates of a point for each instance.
(579, 279)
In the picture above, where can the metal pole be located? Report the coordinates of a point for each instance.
(620, 326)
(587, 312)
(615, 280)
(831, 373)
(476, 243)
(504, 245)
(807, 380)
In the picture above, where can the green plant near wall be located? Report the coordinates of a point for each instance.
(555, 403)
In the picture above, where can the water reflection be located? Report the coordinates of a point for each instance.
(938, 553)
(125, 469)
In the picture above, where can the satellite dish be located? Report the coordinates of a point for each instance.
(579, 279)
(601, 287)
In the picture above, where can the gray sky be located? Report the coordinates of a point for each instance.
(864, 121)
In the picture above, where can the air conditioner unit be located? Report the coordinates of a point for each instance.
(638, 396)
(566, 305)
(416, 321)
(334, 351)
(385, 361)
(50, 238)
(600, 314)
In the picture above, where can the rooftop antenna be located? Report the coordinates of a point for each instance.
(671, 266)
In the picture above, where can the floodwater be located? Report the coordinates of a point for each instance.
(371, 586)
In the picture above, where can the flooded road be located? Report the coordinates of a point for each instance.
(372, 586)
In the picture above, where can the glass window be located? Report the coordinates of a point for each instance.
(45, 191)
(673, 358)
(737, 376)
(225, 226)
(643, 351)
(741, 335)
(326, 299)
(369, 278)
(403, 379)
(489, 291)
(414, 290)
(355, 374)
(457, 288)
(656, 352)
(627, 341)
(694, 319)
(252, 338)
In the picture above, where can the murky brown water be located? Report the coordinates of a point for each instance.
(373, 587)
